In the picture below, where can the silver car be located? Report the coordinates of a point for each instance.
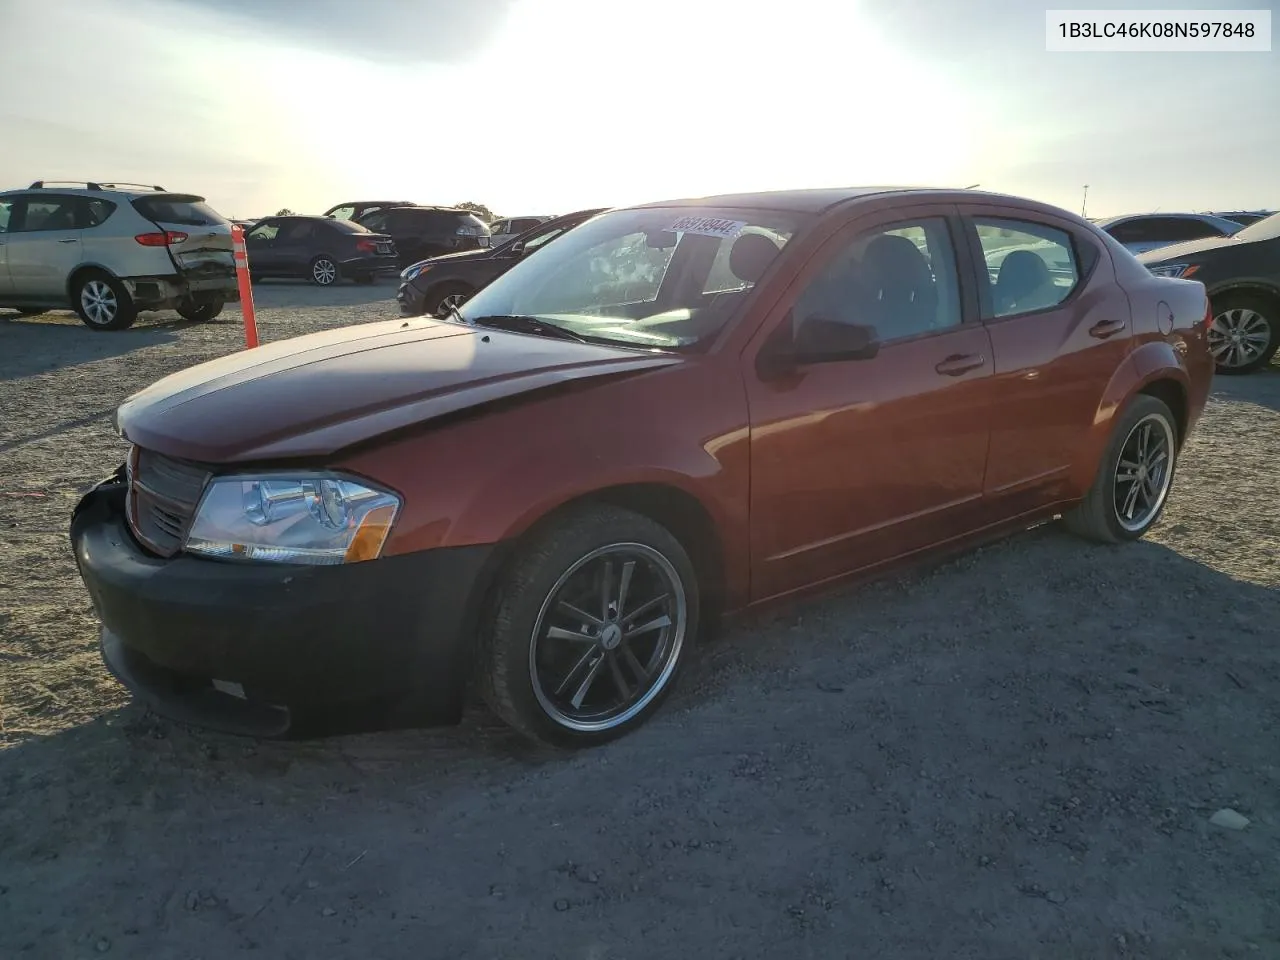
(111, 250)
(1150, 231)
(500, 231)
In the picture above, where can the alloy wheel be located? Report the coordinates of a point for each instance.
(1238, 337)
(324, 272)
(608, 637)
(99, 302)
(1144, 472)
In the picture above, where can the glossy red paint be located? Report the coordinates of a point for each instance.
(778, 482)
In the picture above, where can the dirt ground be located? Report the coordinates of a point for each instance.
(1015, 755)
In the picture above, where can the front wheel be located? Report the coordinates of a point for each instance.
(439, 300)
(324, 272)
(1245, 333)
(590, 627)
(201, 312)
(103, 302)
(1135, 475)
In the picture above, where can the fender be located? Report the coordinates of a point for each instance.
(1245, 284)
(1152, 361)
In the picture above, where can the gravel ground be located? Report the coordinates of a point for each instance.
(1014, 755)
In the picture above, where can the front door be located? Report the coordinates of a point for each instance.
(1058, 335)
(857, 461)
(260, 246)
(43, 246)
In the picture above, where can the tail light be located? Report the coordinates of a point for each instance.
(367, 246)
(1208, 315)
(161, 239)
(469, 231)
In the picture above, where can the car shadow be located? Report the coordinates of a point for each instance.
(1261, 387)
(295, 294)
(30, 346)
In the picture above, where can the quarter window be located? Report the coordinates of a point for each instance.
(902, 280)
(1030, 266)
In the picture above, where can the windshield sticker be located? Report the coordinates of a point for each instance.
(708, 226)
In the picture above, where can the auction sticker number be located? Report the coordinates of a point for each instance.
(708, 226)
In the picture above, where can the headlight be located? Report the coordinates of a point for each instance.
(315, 518)
(1175, 270)
(411, 271)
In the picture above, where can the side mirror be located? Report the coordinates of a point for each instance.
(517, 249)
(820, 340)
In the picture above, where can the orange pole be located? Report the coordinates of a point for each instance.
(246, 286)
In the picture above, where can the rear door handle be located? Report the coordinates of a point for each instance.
(1107, 328)
(68, 240)
(957, 364)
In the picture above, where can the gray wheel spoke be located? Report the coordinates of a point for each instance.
(579, 614)
(586, 684)
(657, 624)
(574, 671)
(628, 571)
(1131, 500)
(560, 633)
(642, 610)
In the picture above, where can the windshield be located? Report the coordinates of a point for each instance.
(666, 277)
(1266, 229)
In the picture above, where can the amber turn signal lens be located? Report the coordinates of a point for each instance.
(371, 534)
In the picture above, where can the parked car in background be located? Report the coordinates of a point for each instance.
(681, 410)
(356, 209)
(1246, 218)
(1242, 276)
(111, 250)
(1147, 231)
(421, 232)
(429, 286)
(510, 227)
(321, 249)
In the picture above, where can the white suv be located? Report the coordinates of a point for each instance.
(110, 250)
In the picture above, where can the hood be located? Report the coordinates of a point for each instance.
(311, 396)
(1176, 251)
(462, 256)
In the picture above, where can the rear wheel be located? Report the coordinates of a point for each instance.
(1135, 475)
(324, 272)
(103, 303)
(590, 627)
(201, 312)
(1245, 332)
(439, 299)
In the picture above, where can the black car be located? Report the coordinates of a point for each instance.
(1246, 217)
(1242, 275)
(318, 248)
(428, 285)
(421, 232)
(356, 209)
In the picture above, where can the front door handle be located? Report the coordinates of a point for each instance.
(1107, 328)
(68, 240)
(959, 363)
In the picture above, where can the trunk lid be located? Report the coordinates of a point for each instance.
(199, 237)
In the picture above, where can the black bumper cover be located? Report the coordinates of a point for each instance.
(317, 650)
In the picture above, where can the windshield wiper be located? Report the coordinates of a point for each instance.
(524, 324)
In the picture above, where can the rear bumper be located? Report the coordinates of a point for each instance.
(370, 266)
(166, 292)
(303, 649)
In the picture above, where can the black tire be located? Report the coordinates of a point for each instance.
(1097, 517)
(102, 302)
(433, 303)
(323, 271)
(1247, 314)
(519, 613)
(201, 312)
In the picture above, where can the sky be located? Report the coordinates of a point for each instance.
(544, 106)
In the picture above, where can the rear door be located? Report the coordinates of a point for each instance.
(43, 245)
(1058, 334)
(295, 244)
(199, 237)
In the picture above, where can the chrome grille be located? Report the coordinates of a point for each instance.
(163, 495)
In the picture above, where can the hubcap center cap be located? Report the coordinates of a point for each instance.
(611, 636)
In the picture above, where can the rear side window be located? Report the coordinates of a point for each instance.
(185, 209)
(499, 227)
(95, 212)
(1030, 266)
(50, 213)
(6, 209)
(296, 231)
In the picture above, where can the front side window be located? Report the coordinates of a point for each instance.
(263, 232)
(640, 276)
(901, 280)
(343, 213)
(1031, 266)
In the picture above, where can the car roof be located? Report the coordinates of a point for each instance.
(820, 199)
(1176, 214)
(93, 188)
